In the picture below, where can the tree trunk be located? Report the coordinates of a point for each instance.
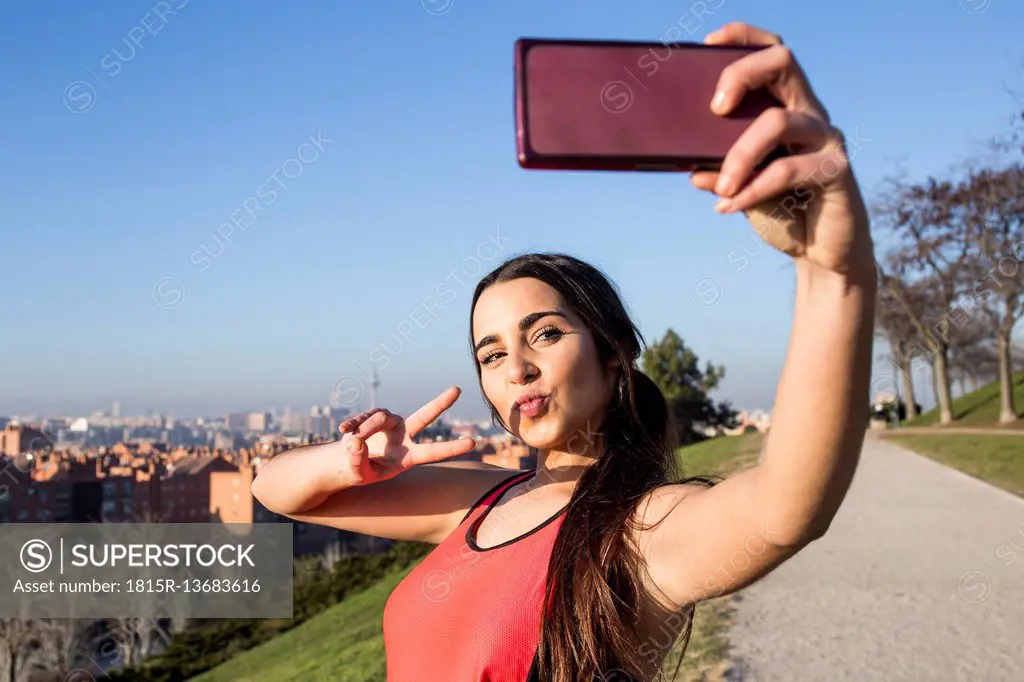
(908, 390)
(1007, 413)
(128, 649)
(135, 639)
(178, 623)
(941, 377)
(15, 656)
(6, 663)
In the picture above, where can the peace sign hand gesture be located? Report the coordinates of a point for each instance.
(379, 444)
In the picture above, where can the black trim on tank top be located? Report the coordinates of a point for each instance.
(490, 492)
(471, 541)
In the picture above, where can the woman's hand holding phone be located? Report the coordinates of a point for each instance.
(378, 444)
(806, 204)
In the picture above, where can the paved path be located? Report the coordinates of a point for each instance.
(921, 577)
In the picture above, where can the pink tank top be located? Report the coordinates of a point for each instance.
(471, 614)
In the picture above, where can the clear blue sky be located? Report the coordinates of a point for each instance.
(119, 167)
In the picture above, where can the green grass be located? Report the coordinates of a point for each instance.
(707, 655)
(979, 408)
(345, 643)
(721, 456)
(997, 459)
(994, 458)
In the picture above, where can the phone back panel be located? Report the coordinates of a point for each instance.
(619, 105)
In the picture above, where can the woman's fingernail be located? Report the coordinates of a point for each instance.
(725, 185)
(719, 101)
(724, 206)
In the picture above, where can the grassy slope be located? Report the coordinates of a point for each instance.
(721, 456)
(979, 408)
(345, 643)
(997, 459)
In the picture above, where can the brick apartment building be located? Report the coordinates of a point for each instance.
(207, 488)
(16, 439)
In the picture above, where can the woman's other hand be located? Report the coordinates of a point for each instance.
(379, 445)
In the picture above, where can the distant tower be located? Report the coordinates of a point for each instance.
(115, 409)
(374, 383)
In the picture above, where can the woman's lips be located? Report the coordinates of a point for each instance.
(533, 408)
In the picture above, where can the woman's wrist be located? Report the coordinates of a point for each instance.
(859, 276)
(331, 467)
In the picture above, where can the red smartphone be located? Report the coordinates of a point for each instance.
(626, 105)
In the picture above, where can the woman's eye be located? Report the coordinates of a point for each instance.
(489, 358)
(550, 333)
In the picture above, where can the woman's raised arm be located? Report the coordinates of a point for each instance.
(719, 539)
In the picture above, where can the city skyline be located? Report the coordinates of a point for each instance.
(129, 414)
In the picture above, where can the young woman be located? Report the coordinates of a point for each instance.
(589, 567)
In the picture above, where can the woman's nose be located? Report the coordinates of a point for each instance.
(520, 369)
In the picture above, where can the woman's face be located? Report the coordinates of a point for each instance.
(529, 343)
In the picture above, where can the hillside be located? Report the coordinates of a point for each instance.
(979, 408)
(343, 644)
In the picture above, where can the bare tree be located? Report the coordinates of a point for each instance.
(974, 358)
(65, 644)
(16, 642)
(992, 202)
(902, 336)
(931, 254)
(138, 637)
(975, 364)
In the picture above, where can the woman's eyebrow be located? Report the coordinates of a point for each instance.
(524, 324)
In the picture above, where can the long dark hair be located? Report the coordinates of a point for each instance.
(595, 582)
